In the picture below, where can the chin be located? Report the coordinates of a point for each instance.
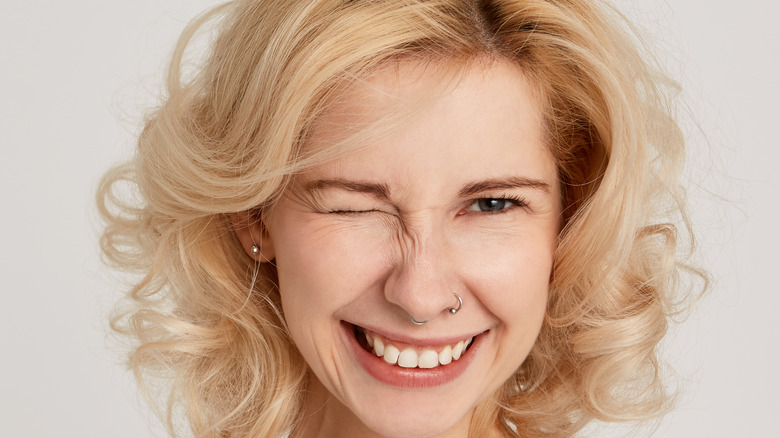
(412, 421)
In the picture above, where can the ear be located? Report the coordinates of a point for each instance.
(252, 233)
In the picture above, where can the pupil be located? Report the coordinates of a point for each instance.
(491, 204)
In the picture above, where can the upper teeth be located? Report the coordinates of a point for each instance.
(412, 358)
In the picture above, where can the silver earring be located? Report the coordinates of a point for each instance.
(460, 304)
(255, 250)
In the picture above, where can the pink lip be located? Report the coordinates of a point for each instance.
(409, 377)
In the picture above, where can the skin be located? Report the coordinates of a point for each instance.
(462, 197)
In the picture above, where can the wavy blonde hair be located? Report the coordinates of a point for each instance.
(208, 320)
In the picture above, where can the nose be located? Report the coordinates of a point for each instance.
(424, 283)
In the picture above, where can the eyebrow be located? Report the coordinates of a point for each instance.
(382, 192)
(512, 182)
(379, 191)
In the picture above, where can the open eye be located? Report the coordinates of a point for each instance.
(495, 204)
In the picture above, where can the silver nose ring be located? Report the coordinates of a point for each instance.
(449, 309)
(460, 304)
(415, 322)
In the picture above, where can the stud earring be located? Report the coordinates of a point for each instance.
(255, 250)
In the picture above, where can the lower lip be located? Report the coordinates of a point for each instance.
(409, 377)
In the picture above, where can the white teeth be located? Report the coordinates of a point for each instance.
(457, 350)
(445, 356)
(369, 339)
(410, 358)
(428, 359)
(391, 354)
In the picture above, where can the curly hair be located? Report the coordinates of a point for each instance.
(208, 320)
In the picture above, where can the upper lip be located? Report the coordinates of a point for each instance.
(424, 341)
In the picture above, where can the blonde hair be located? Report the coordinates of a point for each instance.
(208, 319)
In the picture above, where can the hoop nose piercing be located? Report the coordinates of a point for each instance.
(460, 304)
(449, 309)
(415, 322)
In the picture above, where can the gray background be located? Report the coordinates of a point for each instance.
(77, 75)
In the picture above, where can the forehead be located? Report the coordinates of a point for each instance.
(410, 114)
(400, 90)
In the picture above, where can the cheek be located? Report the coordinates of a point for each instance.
(512, 278)
(517, 298)
(323, 268)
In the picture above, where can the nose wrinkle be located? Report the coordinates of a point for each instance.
(421, 255)
(419, 284)
(420, 242)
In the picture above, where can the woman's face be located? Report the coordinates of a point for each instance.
(462, 198)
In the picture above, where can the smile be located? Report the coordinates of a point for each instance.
(417, 363)
(410, 356)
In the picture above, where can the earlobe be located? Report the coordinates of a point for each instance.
(253, 235)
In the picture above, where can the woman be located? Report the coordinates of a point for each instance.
(404, 218)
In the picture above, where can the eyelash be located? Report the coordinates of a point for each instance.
(511, 199)
(350, 211)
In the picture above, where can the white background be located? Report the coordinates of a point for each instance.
(76, 76)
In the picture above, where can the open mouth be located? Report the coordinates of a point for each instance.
(410, 356)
